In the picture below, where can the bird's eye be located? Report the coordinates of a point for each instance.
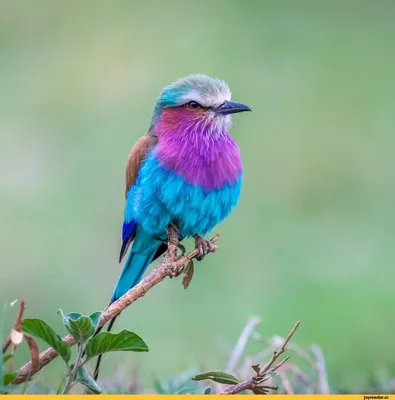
(192, 104)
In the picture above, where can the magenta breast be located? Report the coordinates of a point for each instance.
(203, 156)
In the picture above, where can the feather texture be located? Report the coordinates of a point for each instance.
(161, 196)
(136, 156)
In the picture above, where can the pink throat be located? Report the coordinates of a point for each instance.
(201, 151)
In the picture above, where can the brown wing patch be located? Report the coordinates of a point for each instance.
(136, 156)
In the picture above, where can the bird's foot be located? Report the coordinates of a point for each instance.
(172, 234)
(204, 247)
(182, 248)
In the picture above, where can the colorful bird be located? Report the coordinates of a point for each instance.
(186, 170)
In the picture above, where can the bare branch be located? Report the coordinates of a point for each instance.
(280, 351)
(255, 383)
(7, 344)
(171, 266)
(34, 352)
(279, 365)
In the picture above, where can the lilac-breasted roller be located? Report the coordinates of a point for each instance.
(186, 170)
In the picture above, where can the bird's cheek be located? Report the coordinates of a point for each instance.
(223, 122)
(211, 116)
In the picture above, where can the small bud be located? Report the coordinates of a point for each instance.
(16, 337)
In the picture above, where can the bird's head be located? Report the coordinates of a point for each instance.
(196, 99)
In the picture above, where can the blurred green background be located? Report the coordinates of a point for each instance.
(313, 235)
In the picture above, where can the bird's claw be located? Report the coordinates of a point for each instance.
(182, 248)
(204, 247)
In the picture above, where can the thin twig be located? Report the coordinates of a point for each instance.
(251, 383)
(165, 269)
(276, 354)
(280, 364)
(291, 346)
(72, 375)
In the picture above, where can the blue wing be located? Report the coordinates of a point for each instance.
(128, 234)
(136, 156)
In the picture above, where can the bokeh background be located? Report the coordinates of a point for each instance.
(313, 235)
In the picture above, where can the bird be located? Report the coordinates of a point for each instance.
(186, 170)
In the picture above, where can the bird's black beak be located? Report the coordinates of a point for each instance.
(231, 107)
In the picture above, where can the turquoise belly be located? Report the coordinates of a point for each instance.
(160, 197)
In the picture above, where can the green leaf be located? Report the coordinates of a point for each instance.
(95, 318)
(106, 342)
(217, 376)
(7, 358)
(39, 328)
(8, 378)
(84, 378)
(79, 326)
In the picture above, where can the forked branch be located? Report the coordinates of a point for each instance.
(257, 383)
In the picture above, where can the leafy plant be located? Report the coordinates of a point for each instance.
(89, 344)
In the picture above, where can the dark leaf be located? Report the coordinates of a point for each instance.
(106, 342)
(189, 271)
(8, 378)
(260, 390)
(207, 390)
(7, 358)
(256, 368)
(84, 378)
(217, 376)
(39, 328)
